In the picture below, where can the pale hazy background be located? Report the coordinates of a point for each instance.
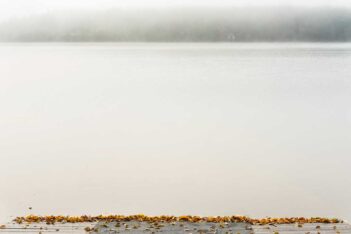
(164, 128)
(18, 8)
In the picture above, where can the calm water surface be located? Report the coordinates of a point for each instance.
(208, 129)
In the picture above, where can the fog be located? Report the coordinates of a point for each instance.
(175, 128)
(183, 24)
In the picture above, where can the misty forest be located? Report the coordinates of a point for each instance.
(184, 24)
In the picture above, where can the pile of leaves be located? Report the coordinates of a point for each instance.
(168, 219)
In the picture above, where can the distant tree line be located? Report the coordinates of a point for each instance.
(241, 24)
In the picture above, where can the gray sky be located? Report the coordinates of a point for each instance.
(19, 8)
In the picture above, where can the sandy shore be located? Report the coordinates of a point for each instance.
(137, 227)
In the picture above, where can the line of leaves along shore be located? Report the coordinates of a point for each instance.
(51, 219)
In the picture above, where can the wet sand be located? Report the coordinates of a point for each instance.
(41, 228)
(136, 227)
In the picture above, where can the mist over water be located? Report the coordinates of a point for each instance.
(184, 24)
(208, 129)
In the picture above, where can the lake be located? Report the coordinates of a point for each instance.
(204, 129)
